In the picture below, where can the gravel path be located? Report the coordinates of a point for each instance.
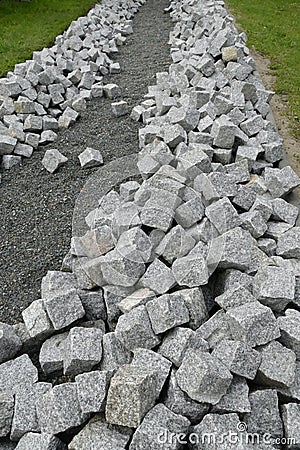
(36, 208)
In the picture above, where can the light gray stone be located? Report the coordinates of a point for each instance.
(92, 388)
(167, 312)
(235, 399)
(83, 350)
(288, 245)
(23, 150)
(9, 161)
(6, 412)
(10, 343)
(196, 304)
(176, 243)
(17, 374)
(253, 221)
(90, 157)
(191, 270)
(223, 132)
(190, 212)
(39, 441)
(158, 277)
(114, 353)
(111, 91)
(120, 108)
(53, 159)
(291, 422)
(215, 329)
(64, 309)
(131, 394)
(235, 296)
(134, 330)
(284, 211)
(36, 320)
(281, 181)
(52, 354)
(203, 377)
(137, 298)
(289, 325)
(56, 282)
(223, 215)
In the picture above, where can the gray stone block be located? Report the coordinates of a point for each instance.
(39, 441)
(290, 330)
(100, 434)
(159, 423)
(236, 398)
(267, 245)
(17, 374)
(291, 422)
(134, 330)
(203, 377)
(92, 388)
(223, 215)
(6, 412)
(25, 418)
(23, 150)
(120, 108)
(288, 245)
(253, 324)
(278, 365)
(56, 282)
(194, 161)
(196, 304)
(131, 394)
(64, 309)
(112, 296)
(122, 267)
(37, 321)
(93, 304)
(10, 343)
(9, 161)
(235, 296)
(58, 410)
(52, 354)
(281, 181)
(167, 312)
(83, 350)
(111, 91)
(223, 132)
(254, 222)
(53, 159)
(158, 277)
(128, 189)
(284, 211)
(173, 135)
(274, 287)
(215, 329)
(238, 357)
(149, 360)
(137, 298)
(90, 157)
(190, 212)
(190, 270)
(114, 353)
(264, 417)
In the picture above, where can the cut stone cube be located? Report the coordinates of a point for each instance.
(253, 323)
(114, 353)
(160, 422)
(203, 377)
(39, 441)
(131, 394)
(253, 221)
(10, 343)
(56, 282)
(83, 350)
(290, 330)
(223, 215)
(291, 421)
(253, 125)
(158, 277)
(288, 245)
(190, 270)
(58, 410)
(93, 304)
(17, 374)
(9, 161)
(120, 108)
(53, 159)
(167, 312)
(52, 354)
(281, 181)
(174, 134)
(36, 320)
(215, 329)
(90, 157)
(134, 330)
(138, 298)
(235, 296)
(238, 357)
(92, 388)
(216, 425)
(235, 399)
(6, 412)
(112, 91)
(223, 132)
(284, 211)
(196, 304)
(64, 309)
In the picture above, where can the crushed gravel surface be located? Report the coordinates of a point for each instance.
(36, 207)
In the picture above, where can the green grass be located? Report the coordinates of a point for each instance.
(29, 26)
(273, 28)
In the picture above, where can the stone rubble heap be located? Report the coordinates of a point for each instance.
(48, 93)
(177, 314)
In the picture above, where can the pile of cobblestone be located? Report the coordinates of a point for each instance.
(176, 316)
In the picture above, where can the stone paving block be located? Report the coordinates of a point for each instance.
(281, 181)
(58, 410)
(36, 320)
(158, 277)
(215, 185)
(263, 206)
(25, 418)
(10, 343)
(278, 365)
(238, 357)
(176, 243)
(267, 245)
(83, 350)
(52, 354)
(249, 153)
(9, 161)
(92, 388)
(120, 108)
(284, 211)
(64, 309)
(93, 243)
(134, 330)
(173, 135)
(180, 403)
(274, 151)
(190, 270)
(150, 360)
(112, 296)
(136, 243)
(244, 198)
(137, 298)
(24, 106)
(111, 91)
(290, 330)
(229, 54)
(190, 212)
(100, 434)
(223, 132)
(253, 323)
(288, 245)
(216, 425)
(47, 137)
(53, 159)
(114, 354)
(160, 422)
(223, 215)
(254, 222)
(291, 422)
(6, 412)
(193, 162)
(126, 216)
(32, 139)
(274, 287)
(196, 304)
(167, 312)
(232, 278)
(93, 304)
(264, 416)
(292, 392)
(68, 118)
(90, 157)
(253, 125)
(215, 329)
(40, 441)
(203, 377)
(87, 272)
(235, 296)
(23, 150)
(177, 341)
(122, 268)
(235, 399)
(17, 374)
(235, 249)
(128, 189)
(277, 229)
(131, 394)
